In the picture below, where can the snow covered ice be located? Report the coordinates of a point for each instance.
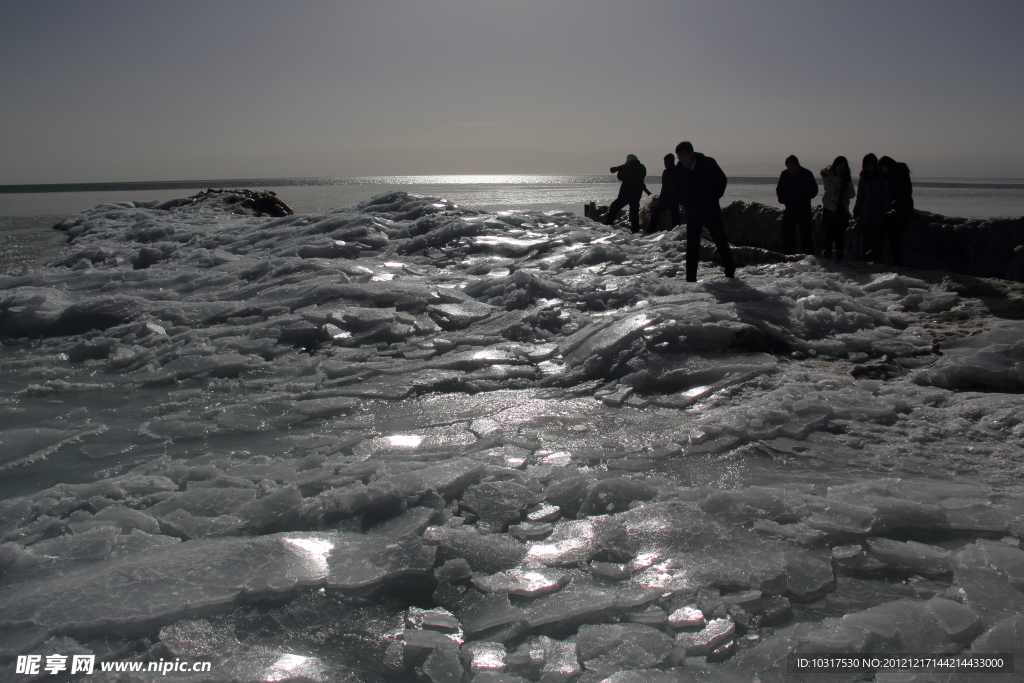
(410, 440)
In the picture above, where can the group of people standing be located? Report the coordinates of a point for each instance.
(697, 183)
(883, 208)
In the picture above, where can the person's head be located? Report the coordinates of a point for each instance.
(886, 164)
(792, 164)
(670, 160)
(841, 166)
(869, 163)
(684, 150)
(631, 158)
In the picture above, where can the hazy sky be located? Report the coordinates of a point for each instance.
(99, 90)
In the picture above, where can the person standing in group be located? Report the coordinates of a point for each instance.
(701, 183)
(796, 188)
(870, 204)
(899, 197)
(668, 200)
(633, 175)
(835, 203)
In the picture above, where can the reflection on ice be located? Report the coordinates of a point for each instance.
(315, 550)
(292, 666)
(405, 440)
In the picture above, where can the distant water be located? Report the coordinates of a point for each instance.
(967, 197)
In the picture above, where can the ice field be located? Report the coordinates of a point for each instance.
(414, 441)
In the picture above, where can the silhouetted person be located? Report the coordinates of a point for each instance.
(668, 200)
(701, 183)
(796, 188)
(835, 204)
(899, 209)
(632, 174)
(870, 205)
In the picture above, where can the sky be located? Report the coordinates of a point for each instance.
(111, 91)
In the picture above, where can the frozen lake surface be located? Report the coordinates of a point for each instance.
(406, 439)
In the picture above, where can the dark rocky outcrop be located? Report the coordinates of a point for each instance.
(970, 246)
(258, 201)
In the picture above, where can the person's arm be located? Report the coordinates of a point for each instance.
(812, 186)
(778, 188)
(719, 178)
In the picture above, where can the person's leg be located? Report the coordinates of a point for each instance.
(896, 229)
(806, 232)
(634, 215)
(656, 214)
(673, 211)
(868, 235)
(789, 223)
(828, 224)
(840, 234)
(693, 231)
(614, 209)
(717, 229)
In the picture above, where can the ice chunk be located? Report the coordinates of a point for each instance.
(687, 617)
(582, 600)
(499, 502)
(960, 623)
(524, 582)
(1006, 635)
(131, 593)
(17, 641)
(494, 615)
(484, 656)
(615, 495)
(198, 639)
(575, 541)
(608, 648)
(438, 619)
(458, 316)
(901, 626)
(434, 654)
(494, 677)
(94, 544)
(204, 502)
(717, 632)
(122, 517)
(452, 571)
(652, 615)
(276, 511)
(910, 556)
(610, 570)
(568, 494)
(531, 531)
(991, 577)
(449, 478)
(137, 541)
(485, 553)
(217, 365)
(326, 407)
(23, 446)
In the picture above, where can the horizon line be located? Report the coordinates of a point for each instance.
(499, 178)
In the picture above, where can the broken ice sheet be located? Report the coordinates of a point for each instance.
(170, 581)
(524, 582)
(276, 326)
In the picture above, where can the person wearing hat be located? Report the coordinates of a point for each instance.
(633, 175)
